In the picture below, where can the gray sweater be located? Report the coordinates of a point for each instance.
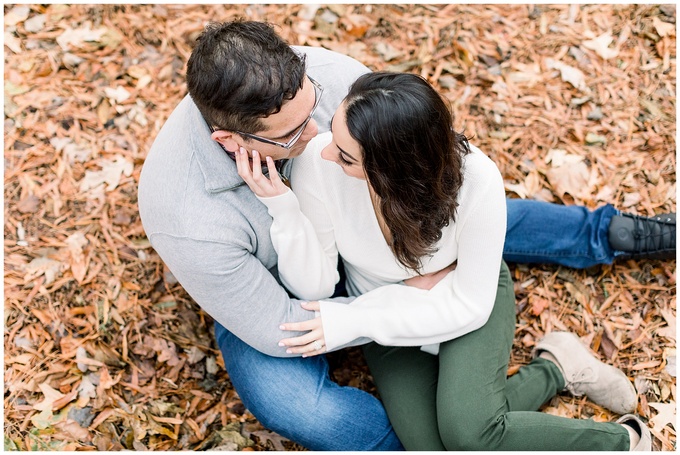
(210, 229)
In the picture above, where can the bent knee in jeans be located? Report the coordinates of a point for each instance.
(296, 398)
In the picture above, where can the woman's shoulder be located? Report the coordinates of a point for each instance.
(480, 174)
(478, 163)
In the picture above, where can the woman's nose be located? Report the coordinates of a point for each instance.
(326, 153)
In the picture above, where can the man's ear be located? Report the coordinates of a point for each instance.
(229, 140)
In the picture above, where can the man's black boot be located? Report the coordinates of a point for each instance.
(643, 238)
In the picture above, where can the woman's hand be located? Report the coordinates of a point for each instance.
(256, 180)
(429, 280)
(309, 344)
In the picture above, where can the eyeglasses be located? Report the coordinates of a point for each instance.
(318, 91)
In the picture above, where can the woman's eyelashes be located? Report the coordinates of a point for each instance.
(343, 161)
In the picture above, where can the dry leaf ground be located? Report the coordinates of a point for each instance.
(104, 350)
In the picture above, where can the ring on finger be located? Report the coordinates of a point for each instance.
(317, 345)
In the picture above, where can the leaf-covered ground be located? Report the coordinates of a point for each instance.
(104, 350)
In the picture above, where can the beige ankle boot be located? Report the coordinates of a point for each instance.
(585, 375)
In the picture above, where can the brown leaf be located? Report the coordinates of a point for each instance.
(568, 174)
(30, 204)
(665, 416)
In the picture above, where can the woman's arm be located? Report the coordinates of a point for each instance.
(397, 315)
(306, 268)
(429, 280)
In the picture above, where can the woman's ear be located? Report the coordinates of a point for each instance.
(229, 140)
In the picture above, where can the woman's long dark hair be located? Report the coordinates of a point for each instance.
(411, 155)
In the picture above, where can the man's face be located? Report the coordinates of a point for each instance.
(283, 126)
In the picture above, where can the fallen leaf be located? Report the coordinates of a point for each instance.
(663, 28)
(601, 46)
(13, 43)
(52, 400)
(568, 173)
(195, 355)
(81, 353)
(72, 152)
(29, 204)
(388, 51)
(16, 15)
(592, 138)
(43, 265)
(538, 304)
(14, 89)
(166, 351)
(77, 432)
(86, 390)
(110, 174)
(631, 200)
(276, 439)
(669, 355)
(76, 242)
(569, 74)
(116, 95)
(76, 37)
(665, 415)
(36, 23)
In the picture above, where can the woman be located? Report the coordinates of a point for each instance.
(420, 224)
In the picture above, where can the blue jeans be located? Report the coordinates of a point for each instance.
(296, 398)
(545, 233)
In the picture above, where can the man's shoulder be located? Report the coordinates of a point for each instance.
(318, 56)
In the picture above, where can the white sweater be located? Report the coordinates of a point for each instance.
(335, 215)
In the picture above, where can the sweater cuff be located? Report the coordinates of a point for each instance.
(339, 327)
(279, 206)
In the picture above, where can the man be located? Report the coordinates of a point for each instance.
(249, 89)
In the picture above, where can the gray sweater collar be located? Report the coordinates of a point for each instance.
(218, 169)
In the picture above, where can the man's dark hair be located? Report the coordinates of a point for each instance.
(240, 72)
(412, 158)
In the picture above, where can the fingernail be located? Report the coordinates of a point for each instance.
(281, 344)
(282, 327)
(304, 356)
(288, 351)
(242, 150)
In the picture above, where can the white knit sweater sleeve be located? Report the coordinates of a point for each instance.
(398, 315)
(306, 268)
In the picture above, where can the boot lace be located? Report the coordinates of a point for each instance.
(653, 235)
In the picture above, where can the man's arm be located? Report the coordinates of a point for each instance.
(234, 287)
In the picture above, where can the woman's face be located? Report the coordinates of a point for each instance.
(343, 149)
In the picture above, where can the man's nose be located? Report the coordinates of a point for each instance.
(311, 130)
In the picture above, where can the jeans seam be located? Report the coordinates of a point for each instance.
(553, 254)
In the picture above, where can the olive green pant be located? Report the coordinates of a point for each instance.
(463, 399)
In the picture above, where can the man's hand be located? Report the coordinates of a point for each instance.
(429, 280)
(255, 178)
(309, 344)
